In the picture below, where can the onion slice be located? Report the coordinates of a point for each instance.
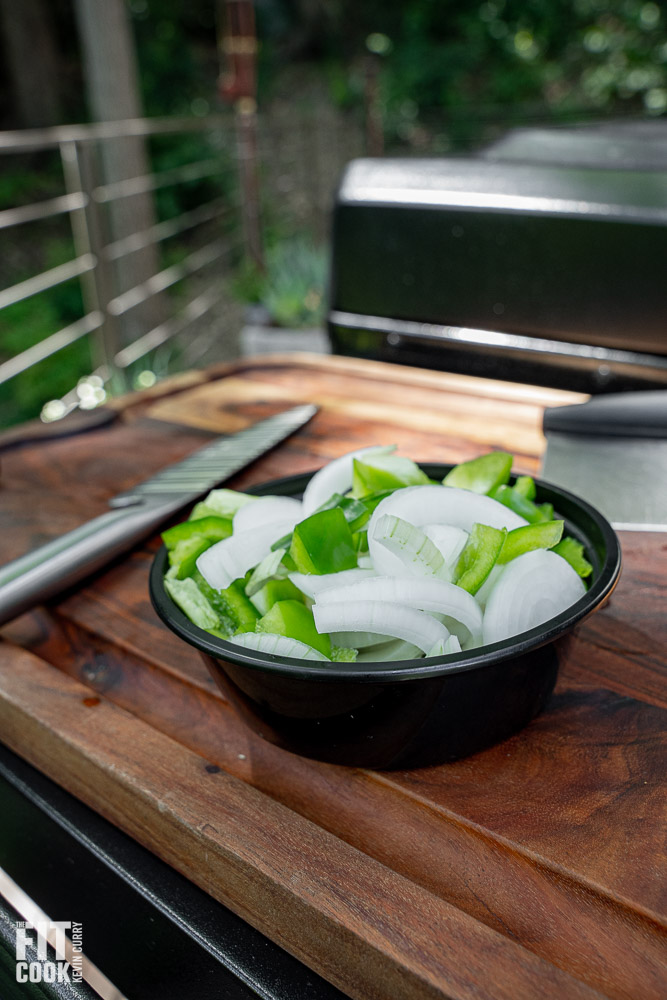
(336, 477)
(422, 505)
(313, 584)
(450, 540)
(234, 556)
(532, 589)
(415, 627)
(360, 640)
(395, 649)
(424, 594)
(407, 546)
(277, 645)
(267, 510)
(450, 645)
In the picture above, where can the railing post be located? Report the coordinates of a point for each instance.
(239, 86)
(87, 230)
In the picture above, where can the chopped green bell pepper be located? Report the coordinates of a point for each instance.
(190, 599)
(478, 557)
(183, 557)
(573, 552)
(481, 475)
(277, 590)
(323, 543)
(213, 527)
(343, 654)
(525, 485)
(188, 540)
(294, 619)
(385, 472)
(221, 503)
(530, 537)
(510, 497)
(225, 626)
(238, 607)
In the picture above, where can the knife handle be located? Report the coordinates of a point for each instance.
(66, 560)
(620, 414)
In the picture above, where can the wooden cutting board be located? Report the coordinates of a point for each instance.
(533, 869)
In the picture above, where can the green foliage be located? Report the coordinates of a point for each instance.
(292, 287)
(31, 321)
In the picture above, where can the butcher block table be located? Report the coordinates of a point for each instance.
(534, 869)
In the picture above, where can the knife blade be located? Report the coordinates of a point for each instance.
(612, 451)
(136, 513)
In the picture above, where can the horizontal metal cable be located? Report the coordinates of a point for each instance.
(25, 139)
(150, 182)
(42, 209)
(47, 279)
(50, 345)
(170, 328)
(163, 230)
(163, 279)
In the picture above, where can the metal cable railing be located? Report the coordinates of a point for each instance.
(99, 251)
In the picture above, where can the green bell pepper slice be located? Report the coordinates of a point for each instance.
(213, 527)
(295, 620)
(481, 475)
(238, 607)
(525, 485)
(510, 497)
(478, 557)
(186, 542)
(183, 557)
(187, 595)
(323, 543)
(529, 537)
(385, 472)
(221, 503)
(573, 552)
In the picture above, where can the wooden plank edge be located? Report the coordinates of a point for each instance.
(380, 936)
(556, 912)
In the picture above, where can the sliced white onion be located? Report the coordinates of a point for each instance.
(365, 562)
(533, 588)
(450, 645)
(234, 556)
(421, 505)
(450, 540)
(267, 510)
(484, 592)
(408, 546)
(336, 477)
(313, 584)
(422, 593)
(278, 645)
(359, 640)
(413, 626)
(395, 649)
(270, 568)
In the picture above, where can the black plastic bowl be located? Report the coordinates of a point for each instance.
(410, 712)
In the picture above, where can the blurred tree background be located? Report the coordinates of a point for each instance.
(336, 79)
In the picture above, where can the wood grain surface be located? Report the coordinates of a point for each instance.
(533, 869)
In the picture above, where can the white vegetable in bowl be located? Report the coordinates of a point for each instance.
(415, 627)
(421, 505)
(430, 595)
(234, 556)
(336, 476)
(267, 510)
(531, 589)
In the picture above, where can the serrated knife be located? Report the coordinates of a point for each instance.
(136, 513)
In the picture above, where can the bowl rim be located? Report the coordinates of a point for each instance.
(398, 670)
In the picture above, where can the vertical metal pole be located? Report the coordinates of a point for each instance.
(96, 285)
(239, 85)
